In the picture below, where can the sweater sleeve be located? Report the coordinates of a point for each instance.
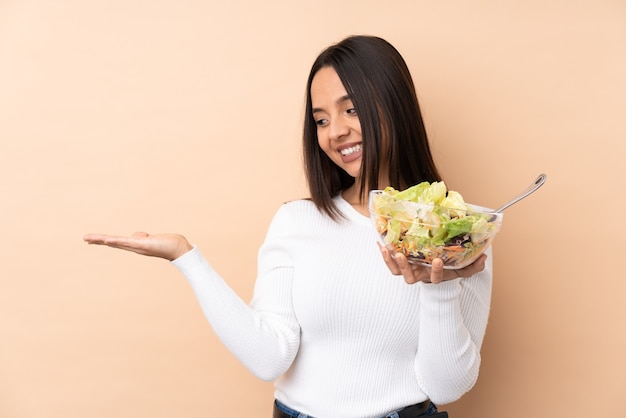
(264, 335)
(453, 320)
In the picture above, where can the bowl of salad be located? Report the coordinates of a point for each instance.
(427, 221)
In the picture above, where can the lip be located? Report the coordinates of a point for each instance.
(352, 157)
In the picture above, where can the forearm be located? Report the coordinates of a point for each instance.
(453, 319)
(263, 336)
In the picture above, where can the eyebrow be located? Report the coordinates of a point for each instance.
(340, 100)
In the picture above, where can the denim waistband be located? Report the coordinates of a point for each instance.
(292, 413)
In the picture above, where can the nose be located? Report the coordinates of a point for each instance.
(338, 129)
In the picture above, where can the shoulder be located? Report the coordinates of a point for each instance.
(297, 214)
(295, 209)
(297, 206)
(302, 201)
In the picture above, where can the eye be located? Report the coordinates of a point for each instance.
(351, 111)
(321, 122)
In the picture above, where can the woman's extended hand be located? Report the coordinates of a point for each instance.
(413, 273)
(168, 246)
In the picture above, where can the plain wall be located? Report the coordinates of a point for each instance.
(185, 116)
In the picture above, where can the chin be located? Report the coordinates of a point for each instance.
(354, 169)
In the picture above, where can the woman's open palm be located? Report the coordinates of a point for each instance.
(168, 246)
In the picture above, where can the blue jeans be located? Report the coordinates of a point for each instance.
(290, 411)
(432, 409)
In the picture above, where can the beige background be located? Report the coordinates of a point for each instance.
(185, 116)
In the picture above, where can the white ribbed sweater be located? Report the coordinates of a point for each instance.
(340, 335)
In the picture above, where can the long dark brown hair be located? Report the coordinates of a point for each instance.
(379, 83)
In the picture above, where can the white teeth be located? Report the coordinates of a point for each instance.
(351, 150)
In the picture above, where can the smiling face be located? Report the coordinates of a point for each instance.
(338, 126)
(385, 144)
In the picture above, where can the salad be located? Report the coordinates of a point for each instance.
(427, 221)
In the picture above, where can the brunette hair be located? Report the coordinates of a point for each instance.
(379, 83)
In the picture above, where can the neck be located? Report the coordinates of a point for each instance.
(360, 202)
(353, 197)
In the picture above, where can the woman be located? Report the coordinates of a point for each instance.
(330, 322)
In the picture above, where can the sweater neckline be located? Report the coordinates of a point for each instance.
(350, 212)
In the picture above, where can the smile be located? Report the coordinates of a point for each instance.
(351, 150)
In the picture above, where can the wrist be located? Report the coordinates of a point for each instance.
(182, 249)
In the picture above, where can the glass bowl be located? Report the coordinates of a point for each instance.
(423, 231)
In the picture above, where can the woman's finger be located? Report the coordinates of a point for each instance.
(94, 238)
(436, 271)
(410, 272)
(391, 264)
(468, 271)
(473, 268)
(135, 243)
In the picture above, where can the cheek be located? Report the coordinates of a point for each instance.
(323, 142)
(326, 149)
